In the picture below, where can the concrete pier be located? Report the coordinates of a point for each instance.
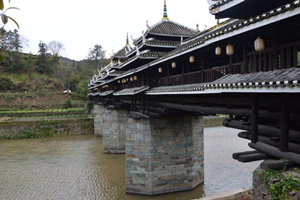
(164, 154)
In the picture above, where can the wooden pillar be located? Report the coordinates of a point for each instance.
(168, 74)
(284, 137)
(245, 60)
(143, 103)
(132, 108)
(275, 58)
(288, 57)
(230, 65)
(259, 62)
(147, 105)
(202, 71)
(182, 74)
(254, 119)
(295, 56)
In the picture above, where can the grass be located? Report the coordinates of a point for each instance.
(68, 110)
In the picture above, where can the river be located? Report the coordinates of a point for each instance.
(75, 167)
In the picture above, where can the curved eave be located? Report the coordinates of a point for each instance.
(223, 5)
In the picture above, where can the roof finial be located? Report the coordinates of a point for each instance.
(127, 40)
(165, 12)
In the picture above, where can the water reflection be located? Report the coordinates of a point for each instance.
(74, 167)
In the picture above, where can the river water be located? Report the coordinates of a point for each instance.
(75, 167)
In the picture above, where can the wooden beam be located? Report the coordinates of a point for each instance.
(276, 164)
(275, 152)
(294, 136)
(252, 157)
(293, 147)
(236, 155)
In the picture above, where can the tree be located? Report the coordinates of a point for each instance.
(55, 47)
(96, 54)
(11, 41)
(42, 59)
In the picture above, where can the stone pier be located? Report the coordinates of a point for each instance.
(98, 119)
(113, 129)
(164, 154)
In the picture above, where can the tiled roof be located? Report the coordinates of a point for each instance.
(168, 27)
(162, 43)
(131, 91)
(122, 52)
(279, 80)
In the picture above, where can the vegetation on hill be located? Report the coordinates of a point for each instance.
(45, 72)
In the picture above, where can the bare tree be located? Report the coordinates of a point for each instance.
(55, 47)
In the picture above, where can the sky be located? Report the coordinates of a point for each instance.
(79, 25)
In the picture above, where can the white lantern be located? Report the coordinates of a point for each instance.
(229, 49)
(135, 78)
(192, 59)
(259, 44)
(173, 64)
(218, 51)
(160, 70)
(131, 79)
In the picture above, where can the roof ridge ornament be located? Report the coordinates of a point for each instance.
(165, 16)
(127, 40)
(148, 27)
(137, 51)
(144, 39)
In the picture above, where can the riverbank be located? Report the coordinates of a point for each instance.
(46, 128)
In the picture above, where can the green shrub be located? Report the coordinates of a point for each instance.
(6, 84)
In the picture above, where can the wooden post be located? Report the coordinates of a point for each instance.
(245, 60)
(254, 119)
(284, 137)
(288, 57)
(147, 105)
(202, 71)
(182, 74)
(143, 104)
(230, 65)
(295, 56)
(275, 58)
(259, 62)
(132, 103)
(168, 74)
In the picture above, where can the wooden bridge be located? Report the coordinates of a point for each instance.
(246, 67)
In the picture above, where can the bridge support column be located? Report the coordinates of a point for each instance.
(164, 154)
(98, 119)
(113, 129)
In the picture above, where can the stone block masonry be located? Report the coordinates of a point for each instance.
(98, 119)
(164, 154)
(113, 129)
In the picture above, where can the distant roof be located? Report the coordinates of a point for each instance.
(122, 52)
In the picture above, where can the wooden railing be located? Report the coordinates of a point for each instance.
(204, 76)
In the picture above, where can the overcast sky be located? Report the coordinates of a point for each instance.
(79, 25)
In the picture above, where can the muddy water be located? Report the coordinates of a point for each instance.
(75, 167)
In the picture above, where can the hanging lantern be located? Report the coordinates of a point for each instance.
(160, 70)
(259, 44)
(192, 59)
(229, 49)
(218, 51)
(131, 79)
(135, 78)
(173, 64)
(118, 81)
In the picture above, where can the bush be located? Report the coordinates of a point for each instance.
(89, 106)
(68, 104)
(6, 84)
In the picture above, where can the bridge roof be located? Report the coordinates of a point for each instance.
(283, 80)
